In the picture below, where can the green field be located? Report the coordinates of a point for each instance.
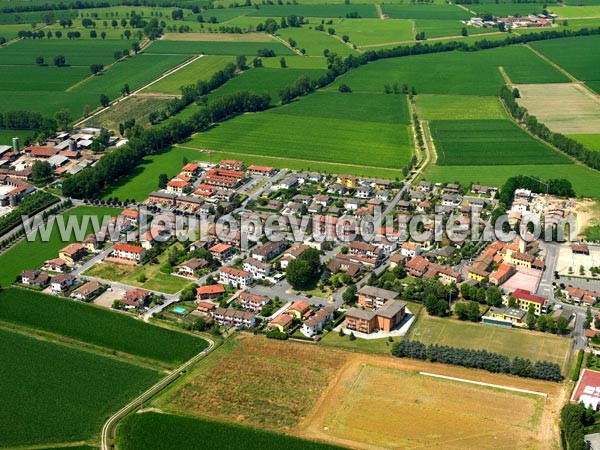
(314, 42)
(365, 32)
(426, 11)
(459, 107)
(331, 10)
(297, 62)
(509, 342)
(508, 9)
(361, 129)
(486, 142)
(593, 10)
(97, 326)
(591, 141)
(265, 80)
(31, 255)
(215, 48)
(52, 393)
(7, 135)
(167, 431)
(586, 182)
(441, 28)
(579, 56)
(201, 69)
(135, 107)
(48, 78)
(445, 73)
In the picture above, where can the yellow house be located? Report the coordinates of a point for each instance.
(526, 300)
(515, 316)
(350, 181)
(478, 274)
(281, 323)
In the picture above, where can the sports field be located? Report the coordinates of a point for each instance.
(566, 108)
(509, 342)
(54, 393)
(488, 142)
(215, 48)
(360, 129)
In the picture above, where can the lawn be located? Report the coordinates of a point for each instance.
(97, 326)
(365, 32)
(459, 107)
(591, 141)
(579, 56)
(201, 69)
(373, 346)
(144, 178)
(265, 80)
(489, 142)
(273, 373)
(444, 73)
(321, 11)
(361, 129)
(31, 255)
(426, 11)
(314, 42)
(52, 393)
(586, 182)
(510, 342)
(215, 48)
(168, 431)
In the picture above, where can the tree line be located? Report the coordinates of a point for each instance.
(573, 420)
(26, 120)
(30, 205)
(478, 359)
(557, 186)
(571, 147)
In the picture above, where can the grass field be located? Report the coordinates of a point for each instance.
(52, 393)
(215, 48)
(579, 56)
(486, 142)
(441, 413)
(351, 128)
(459, 107)
(46, 78)
(7, 135)
(265, 80)
(591, 141)
(586, 182)
(97, 326)
(297, 62)
(509, 342)
(508, 9)
(330, 10)
(165, 431)
(570, 109)
(314, 42)
(31, 255)
(567, 12)
(365, 32)
(444, 73)
(441, 28)
(281, 382)
(425, 11)
(135, 107)
(201, 69)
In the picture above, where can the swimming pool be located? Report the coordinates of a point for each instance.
(179, 310)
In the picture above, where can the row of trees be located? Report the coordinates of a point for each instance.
(478, 359)
(558, 186)
(89, 183)
(569, 146)
(30, 205)
(25, 120)
(573, 420)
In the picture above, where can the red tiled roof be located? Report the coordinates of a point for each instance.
(210, 289)
(526, 295)
(128, 248)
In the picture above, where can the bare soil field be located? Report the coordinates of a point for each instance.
(566, 108)
(220, 37)
(378, 402)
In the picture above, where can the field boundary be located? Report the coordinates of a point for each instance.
(481, 383)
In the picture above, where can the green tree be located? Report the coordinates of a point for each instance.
(104, 100)
(39, 60)
(96, 68)
(349, 295)
(304, 270)
(163, 179)
(41, 171)
(587, 323)
(282, 62)
(240, 62)
(63, 119)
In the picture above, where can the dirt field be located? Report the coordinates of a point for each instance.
(221, 37)
(566, 108)
(385, 403)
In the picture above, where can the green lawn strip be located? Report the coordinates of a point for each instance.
(216, 48)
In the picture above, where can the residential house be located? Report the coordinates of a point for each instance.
(233, 318)
(417, 266)
(410, 249)
(86, 291)
(259, 269)
(192, 267)
(136, 298)
(264, 171)
(128, 252)
(292, 253)
(231, 164)
(190, 169)
(365, 252)
(252, 302)
(315, 323)
(209, 292)
(269, 250)
(281, 323)
(340, 264)
(374, 297)
(72, 253)
(54, 265)
(34, 278)
(235, 277)
(384, 319)
(299, 309)
(221, 251)
(62, 282)
(502, 274)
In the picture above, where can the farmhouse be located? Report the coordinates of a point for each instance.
(235, 277)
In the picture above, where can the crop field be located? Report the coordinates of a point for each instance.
(215, 48)
(426, 11)
(351, 128)
(566, 108)
(459, 107)
(265, 80)
(441, 28)
(260, 381)
(220, 37)
(441, 413)
(444, 73)
(586, 182)
(136, 107)
(97, 326)
(591, 141)
(297, 62)
(9, 32)
(47, 78)
(201, 69)
(7, 135)
(26, 18)
(154, 430)
(331, 10)
(30, 255)
(314, 42)
(52, 393)
(509, 342)
(477, 142)
(508, 9)
(579, 56)
(366, 32)
(567, 12)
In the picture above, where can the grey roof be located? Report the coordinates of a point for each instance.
(358, 313)
(511, 312)
(378, 292)
(391, 308)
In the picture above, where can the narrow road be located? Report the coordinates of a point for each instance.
(108, 430)
(379, 11)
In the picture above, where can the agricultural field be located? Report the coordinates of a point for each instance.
(567, 12)
(578, 56)
(30, 255)
(215, 48)
(353, 128)
(97, 326)
(153, 430)
(591, 141)
(476, 142)
(54, 393)
(459, 107)
(315, 10)
(566, 108)
(426, 11)
(315, 42)
(442, 28)
(509, 9)
(509, 342)
(201, 69)
(444, 73)
(269, 369)
(136, 107)
(6, 136)
(373, 32)
(297, 62)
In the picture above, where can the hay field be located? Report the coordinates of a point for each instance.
(566, 108)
